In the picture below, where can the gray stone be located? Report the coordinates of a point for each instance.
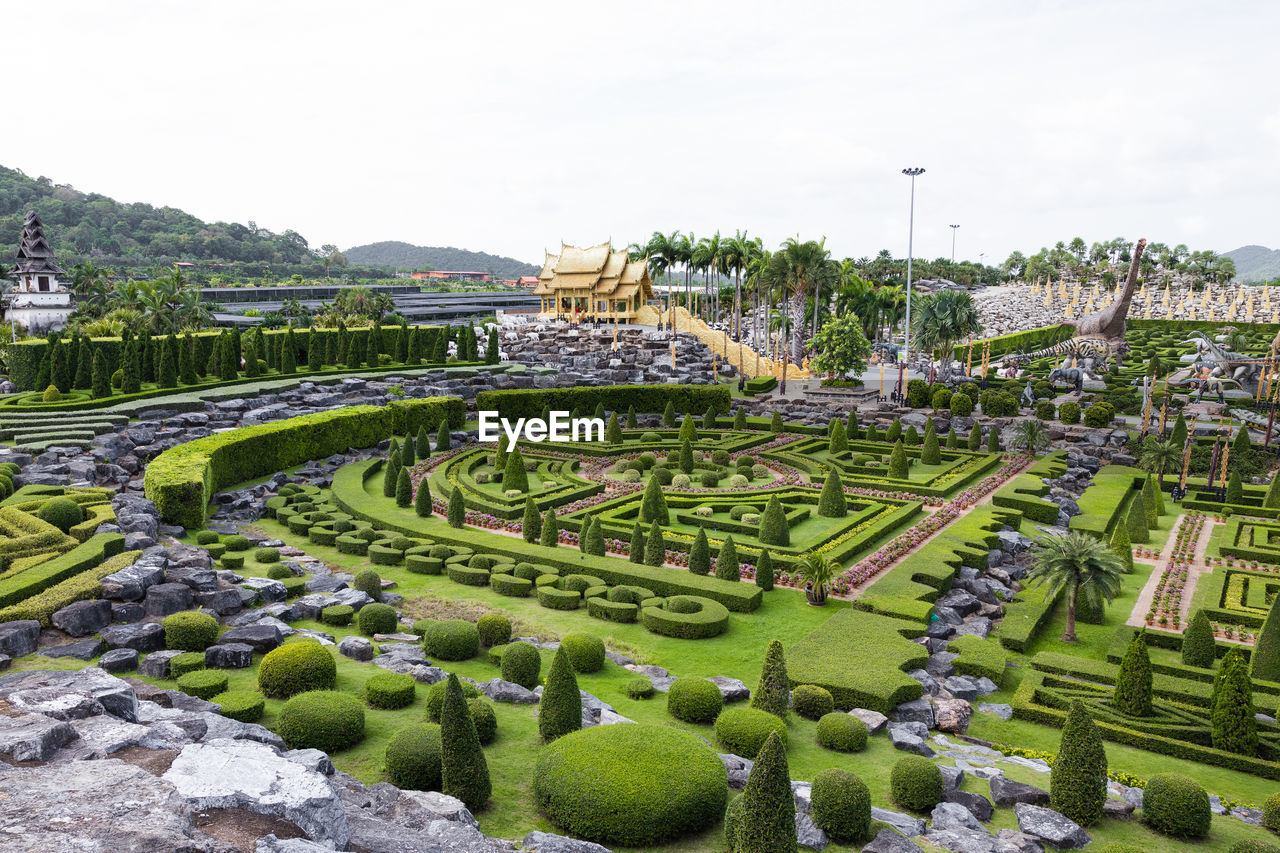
(262, 637)
(156, 664)
(81, 650)
(961, 687)
(888, 841)
(978, 805)
(1003, 711)
(731, 689)
(267, 589)
(906, 824)
(809, 834)
(116, 695)
(222, 602)
(356, 648)
(142, 637)
(1006, 792)
(1119, 809)
(506, 691)
(119, 660)
(953, 816)
(32, 737)
(737, 768)
(131, 583)
(1019, 842)
(228, 656)
(964, 841)
(165, 599)
(939, 664)
(917, 710)
(1050, 826)
(905, 740)
(312, 759)
(105, 734)
(82, 618)
(19, 638)
(55, 702)
(545, 842)
(271, 844)
(952, 777)
(874, 720)
(1253, 817)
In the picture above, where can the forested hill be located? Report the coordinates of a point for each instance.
(1256, 263)
(89, 225)
(394, 253)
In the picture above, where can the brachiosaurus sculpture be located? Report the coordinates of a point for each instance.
(1109, 322)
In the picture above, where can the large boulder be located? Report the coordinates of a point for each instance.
(142, 637)
(19, 638)
(83, 618)
(116, 695)
(32, 737)
(1050, 827)
(260, 636)
(1006, 792)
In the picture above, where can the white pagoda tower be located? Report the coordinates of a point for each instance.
(39, 301)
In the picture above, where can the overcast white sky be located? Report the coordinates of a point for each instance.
(506, 127)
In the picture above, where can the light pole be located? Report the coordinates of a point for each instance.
(953, 243)
(912, 173)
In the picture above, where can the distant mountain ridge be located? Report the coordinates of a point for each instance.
(401, 255)
(1255, 263)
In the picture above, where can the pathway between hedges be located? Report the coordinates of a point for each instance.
(1199, 566)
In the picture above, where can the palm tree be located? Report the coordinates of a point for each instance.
(818, 572)
(1076, 564)
(943, 319)
(1030, 435)
(684, 254)
(662, 251)
(192, 313)
(1157, 455)
(707, 257)
(799, 269)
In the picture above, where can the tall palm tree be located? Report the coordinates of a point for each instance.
(736, 255)
(800, 269)
(757, 266)
(662, 250)
(1076, 564)
(685, 246)
(707, 257)
(1157, 455)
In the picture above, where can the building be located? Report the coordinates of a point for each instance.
(526, 281)
(40, 301)
(454, 275)
(594, 283)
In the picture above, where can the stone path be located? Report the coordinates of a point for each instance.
(1199, 566)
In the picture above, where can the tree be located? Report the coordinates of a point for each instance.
(402, 343)
(422, 446)
(837, 439)
(101, 382)
(407, 450)
(635, 551)
(953, 440)
(1151, 503)
(315, 351)
(531, 525)
(688, 432)
(1030, 436)
(632, 423)
(653, 506)
(1122, 547)
(464, 773)
(942, 319)
(1243, 444)
(131, 373)
(773, 692)
(1235, 487)
(840, 348)
(993, 440)
(1234, 727)
(1078, 781)
(728, 568)
(1272, 498)
(700, 554)
(187, 361)
(550, 535)
(60, 366)
(686, 457)
(898, 461)
(774, 529)
(391, 470)
(1074, 564)
(1156, 456)
(168, 374)
(560, 708)
(422, 499)
(1132, 694)
(457, 509)
(251, 360)
(1137, 521)
(1265, 661)
(930, 453)
(831, 503)
(801, 270)
(655, 546)
(613, 432)
(404, 488)
(440, 351)
(289, 356)
(444, 440)
(669, 415)
(768, 807)
(1198, 646)
(764, 571)
(84, 365)
(1178, 435)
(514, 476)
(594, 542)
(894, 432)
(974, 441)
(491, 350)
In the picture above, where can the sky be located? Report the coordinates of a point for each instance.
(509, 127)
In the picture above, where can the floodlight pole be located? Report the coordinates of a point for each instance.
(953, 243)
(912, 173)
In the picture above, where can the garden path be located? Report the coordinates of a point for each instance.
(1199, 565)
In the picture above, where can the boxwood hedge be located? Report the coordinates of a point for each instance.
(686, 616)
(296, 667)
(694, 700)
(742, 731)
(452, 639)
(327, 720)
(413, 757)
(245, 706)
(389, 690)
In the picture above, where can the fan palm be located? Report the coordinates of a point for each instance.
(1157, 455)
(1074, 565)
(1030, 435)
(818, 572)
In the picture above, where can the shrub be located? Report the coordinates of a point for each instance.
(842, 732)
(206, 537)
(812, 702)
(484, 719)
(773, 692)
(1271, 813)
(1078, 781)
(389, 690)
(245, 706)
(1133, 682)
(203, 683)
(640, 688)
(1249, 846)
(766, 821)
(267, 555)
(294, 586)
(1233, 726)
(773, 524)
(452, 639)
(186, 662)
(1176, 806)
(1044, 410)
(585, 651)
(296, 667)
(694, 700)
(190, 631)
(916, 783)
(614, 785)
(841, 804)
(1099, 415)
(521, 664)
(961, 405)
(232, 561)
(376, 619)
(413, 757)
(433, 702)
(1197, 642)
(321, 719)
(464, 773)
(743, 730)
(236, 542)
(560, 708)
(494, 630)
(62, 513)
(337, 614)
(1265, 660)
(1069, 413)
(368, 582)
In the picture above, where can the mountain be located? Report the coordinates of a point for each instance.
(1256, 263)
(393, 253)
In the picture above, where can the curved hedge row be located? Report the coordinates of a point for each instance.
(688, 617)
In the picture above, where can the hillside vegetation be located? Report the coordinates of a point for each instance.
(401, 255)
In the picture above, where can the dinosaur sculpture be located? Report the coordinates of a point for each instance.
(1109, 322)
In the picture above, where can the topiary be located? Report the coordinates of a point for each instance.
(1176, 806)
(700, 554)
(494, 630)
(961, 405)
(831, 502)
(203, 683)
(389, 690)
(190, 631)
(1232, 723)
(774, 529)
(766, 822)
(1069, 413)
(434, 700)
(694, 700)
(206, 537)
(560, 707)
(245, 706)
(842, 732)
(413, 757)
(916, 783)
(236, 542)
(1249, 846)
(1198, 647)
(321, 719)
(484, 718)
(586, 651)
(812, 702)
(1271, 813)
(640, 688)
(337, 614)
(186, 662)
(376, 619)
(267, 555)
(296, 667)
(368, 582)
(452, 639)
(62, 513)
(1264, 663)
(840, 804)
(773, 691)
(1132, 695)
(464, 773)
(1078, 781)
(743, 731)
(521, 664)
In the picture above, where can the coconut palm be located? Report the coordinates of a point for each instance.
(799, 269)
(1074, 565)
(1030, 435)
(1157, 455)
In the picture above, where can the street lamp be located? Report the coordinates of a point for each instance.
(911, 223)
(953, 243)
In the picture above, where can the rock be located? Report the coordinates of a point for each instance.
(260, 636)
(32, 737)
(224, 773)
(356, 648)
(1019, 841)
(114, 694)
(312, 759)
(904, 737)
(228, 656)
(19, 638)
(81, 650)
(271, 844)
(808, 833)
(978, 805)
(1006, 792)
(961, 688)
(506, 691)
(142, 637)
(105, 734)
(906, 824)
(874, 720)
(164, 599)
(1253, 817)
(267, 589)
(1004, 712)
(917, 710)
(953, 715)
(1119, 809)
(156, 664)
(953, 816)
(83, 617)
(119, 660)
(888, 841)
(731, 689)
(1050, 827)
(952, 777)
(737, 768)
(545, 842)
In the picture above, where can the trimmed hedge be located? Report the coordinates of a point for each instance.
(82, 587)
(296, 667)
(245, 706)
(452, 640)
(39, 578)
(190, 631)
(840, 804)
(585, 651)
(878, 643)
(434, 700)
(521, 664)
(742, 731)
(916, 783)
(203, 683)
(376, 619)
(686, 617)
(321, 719)
(812, 702)
(842, 732)
(389, 690)
(186, 662)
(413, 757)
(616, 398)
(694, 700)
(979, 658)
(1176, 806)
(494, 629)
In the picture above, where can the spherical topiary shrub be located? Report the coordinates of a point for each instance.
(294, 586)
(585, 651)
(184, 663)
(190, 631)
(640, 688)
(1248, 846)
(389, 690)
(743, 731)
(842, 732)
(376, 619)
(841, 804)
(296, 667)
(413, 757)
(206, 537)
(337, 614)
(236, 542)
(452, 639)
(521, 664)
(62, 513)
(232, 561)
(916, 783)
(321, 719)
(1271, 813)
(435, 697)
(486, 721)
(203, 683)
(246, 706)
(1176, 806)
(694, 700)
(267, 555)
(494, 628)
(614, 784)
(812, 702)
(369, 582)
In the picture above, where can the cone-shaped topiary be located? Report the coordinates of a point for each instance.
(1265, 661)
(514, 477)
(852, 429)
(688, 432)
(550, 536)
(774, 529)
(740, 418)
(993, 440)
(404, 489)
(531, 526)
(444, 440)
(613, 432)
(686, 457)
(594, 543)
(898, 462)
(1121, 545)
(831, 503)
(700, 554)
(1233, 725)
(1132, 695)
(1157, 496)
(457, 509)
(773, 692)
(391, 470)
(838, 441)
(423, 444)
(655, 547)
(653, 506)
(1198, 647)
(768, 816)
(930, 453)
(1242, 444)
(635, 553)
(101, 384)
(560, 708)
(894, 432)
(422, 499)
(727, 566)
(1149, 503)
(500, 454)
(632, 423)
(873, 434)
(669, 414)
(1078, 781)
(974, 441)
(408, 451)
(1272, 498)
(911, 437)
(1235, 487)
(764, 571)
(1137, 521)
(953, 440)
(464, 773)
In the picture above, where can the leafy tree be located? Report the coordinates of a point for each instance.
(1243, 444)
(773, 692)
(728, 567)
(1133, 682)
(768, 807)
(872, 434)
(464, 773)
(764, 571)
(632, 423)
(1074, 564)
(1198, 646)
(700, 554)
(101, 380)
(840, 348)
(653, 506)
(457, 509)
(422, 499)
(531, 525)
(560, 708)
(550, 536)
(775, 421)
(1078, 781)
(391, 470)
(655, 546)
(710, 418)
(1234, 728)
(740, 418)
(898, 461)
(831, 503)
(636, 549)
(953, 440)
(688, 432)
(894, 432)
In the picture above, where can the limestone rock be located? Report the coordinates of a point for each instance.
(1050, 826)
(888, 841)
(545, 842)
(1006, 792)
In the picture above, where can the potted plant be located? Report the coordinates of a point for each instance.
(818, 572)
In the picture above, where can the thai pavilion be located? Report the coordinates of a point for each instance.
(596, 283)
(40, 301)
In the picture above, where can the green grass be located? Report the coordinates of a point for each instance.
(1093, 640)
